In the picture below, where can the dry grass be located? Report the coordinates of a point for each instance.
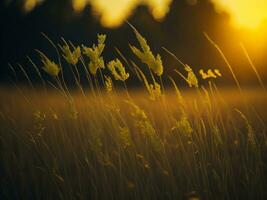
(53, 155)
(154, 143)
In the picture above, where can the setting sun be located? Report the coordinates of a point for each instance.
(244, 13)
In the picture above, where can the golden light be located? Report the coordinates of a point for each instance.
(79, 5)
(244, 13)
(31, 4)
(112, 13)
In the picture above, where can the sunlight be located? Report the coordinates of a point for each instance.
(79, 5)
(244, 13)
(31, 4)
(112, 13)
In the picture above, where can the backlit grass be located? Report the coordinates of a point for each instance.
(105, 141)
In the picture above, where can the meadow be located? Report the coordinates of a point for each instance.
(106, 141)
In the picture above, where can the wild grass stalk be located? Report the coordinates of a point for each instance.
(112, 143)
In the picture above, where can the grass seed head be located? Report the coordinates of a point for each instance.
(108, 84)
(210, 74)
(94, 53)
(154, 91)
(184, 126)
(250, 132)
(72, 57)
(50, 66)
(125, 136)
(118, 70)
(146, 56)
(143, 124)
(191, 77)
(39, 119)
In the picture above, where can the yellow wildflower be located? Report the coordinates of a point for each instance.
(118, 70)
(108, 84)
(210, 73)
(94, 53)
(183, 125)
(217, 72)
(39, 119)
(72, 57)
(50, 67)
(146, 56)
(154, 91)
(143, 124)
(101, 38)
(191, 77)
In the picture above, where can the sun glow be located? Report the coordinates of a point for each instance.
(244, 13)
(31, 4)
(112, 13)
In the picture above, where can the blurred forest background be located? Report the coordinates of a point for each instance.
(179, 28)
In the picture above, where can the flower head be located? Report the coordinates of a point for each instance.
(154, 91)
(144, 126)
(94, 53)
(72, 57)
(50, 67)
(118, 70)
(108, 84)
(146, 56)
(210, 74)
(101, 38)
(183, 125)
(217, 72)
(191, 77)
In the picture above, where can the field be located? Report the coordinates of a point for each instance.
(110, 142)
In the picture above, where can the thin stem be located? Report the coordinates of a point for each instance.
(26, 75)
(59, 60)
(88, 76)
(127, 92)
(38, 72)
(162, 86)
(225, 60)
(253, 67)
(78, 74)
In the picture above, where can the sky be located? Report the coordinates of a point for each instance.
(176, 25)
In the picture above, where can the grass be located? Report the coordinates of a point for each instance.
(109, 142)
